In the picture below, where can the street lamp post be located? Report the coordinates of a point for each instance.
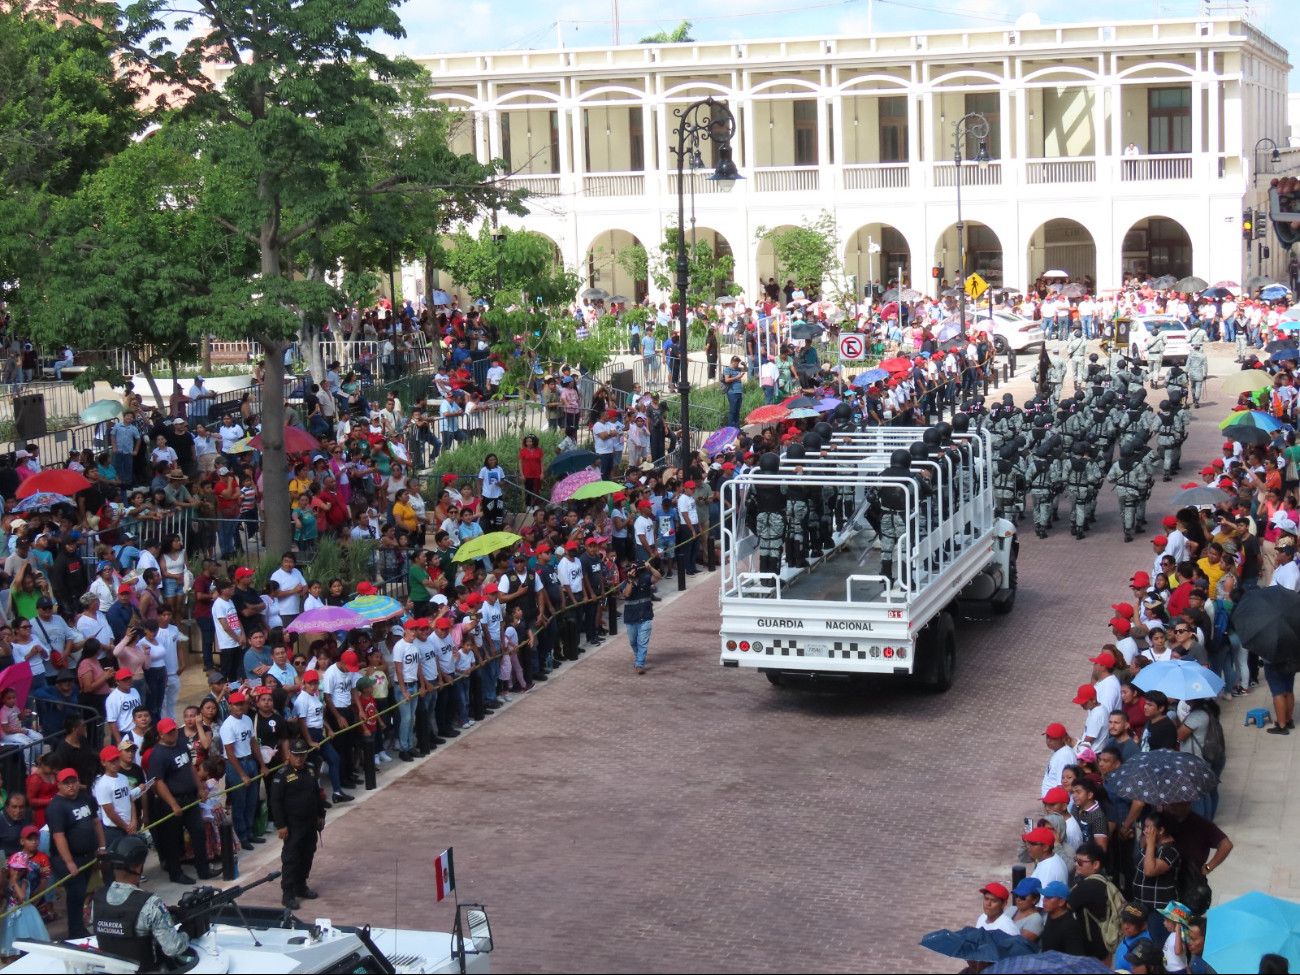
(699, 122)
(1276, 156)
(975, 126)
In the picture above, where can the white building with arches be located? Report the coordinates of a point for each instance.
(1115, 147)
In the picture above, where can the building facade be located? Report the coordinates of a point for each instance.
(1114, 147)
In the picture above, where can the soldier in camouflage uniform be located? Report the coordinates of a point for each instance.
(1045, 479)
(1178, 400)
(1082, 479)
(1128, 477)
(1176, 380)
(893, 516)
(1156, 357)
(1198, 368)
(1077, 351)
(1167, 436)
(765, 506)
(1008, 483)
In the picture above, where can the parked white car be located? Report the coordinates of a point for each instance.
(1010, 332)
(1144, 328)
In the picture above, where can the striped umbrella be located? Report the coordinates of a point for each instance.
(564, 489)
(41, 499)
(375, 608)
(327, 619)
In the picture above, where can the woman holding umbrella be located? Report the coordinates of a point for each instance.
(1156, 862)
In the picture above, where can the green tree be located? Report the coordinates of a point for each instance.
(708, 273)
(520, 266)
(681, 34)
(808, 253)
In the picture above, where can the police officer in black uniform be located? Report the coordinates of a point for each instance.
(298, 811)
(132, 923)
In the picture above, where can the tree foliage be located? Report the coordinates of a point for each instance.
(708, 274)
(808, 253)
(681, 34)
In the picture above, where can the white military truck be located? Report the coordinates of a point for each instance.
(841, 611)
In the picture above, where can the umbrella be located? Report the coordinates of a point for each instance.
(1274, 292)
(720, 440)
(805, 330)
(1254, 418)
(486, 544)
(869, 377)
(899, 364)
(1056, 274)
(1287, 325)
(798, 401)
(802, 413)
(1196, 496)
(572, 460)
(1257, 282)
(596, 489)
(43, 499)
(1247, 434)
(439, 297)
(564, 489)
(480, 303)
(768, 414)
(57, 480)
(1074, 291)
(726, 299)
(910, 294)
(798, 303)
(1243, 930)
(101, 410)
(890, 295)
(1049, 963)
(827, 404)
(1248, 381)
(1232, 286)
(19, 677)
(375, 608)
(835, 316)
(296, 441)
(1290, 315)
(1268, 622)
(950, 292)
(978, 944)
(1284, 354)
(239, 447)
(1277, 345)
(1163, 777)
(619, 300)
(327, 619)
(1164, 282)
(1181, 680)
(1191, 285)
(594, 294)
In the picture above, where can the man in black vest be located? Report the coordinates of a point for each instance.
(129, 922)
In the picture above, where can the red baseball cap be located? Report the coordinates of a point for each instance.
(689, 485)
(423, 622)
(449, 479)
(366, 589)
(411, 625)
(1056, 794)
(997, 890)
(1122, 609)
(1121, 624)
(728, 467)
(349, 661)
(1208, 470)
(124, 587)
(643, 504)
(236, 698)
(243, 572)
(1169, 521)
(491, 589)
(1141, 579)
(442, 623)
(1042, 834)
(1229, 445)
(1086, 693)
(570, 546)
(1217, 463)
(1161, 540)
(67, 773)
(166, 725)
(124, 674)
(1104, 658)
(310, 677)
(541, 548)
(108, 753)
(620, 496)
(474, 599)
(1056, 730)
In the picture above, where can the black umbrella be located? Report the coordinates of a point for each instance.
(805, 330)
(1163, 777)
(1257, 282)
(1280, 345)
(1268, 622)
(1245, 433)
(978, 944)
(1074, 291)
(802, 403)
(1191, 285)
(572, 461)
(1216, 292)
(1164, 282)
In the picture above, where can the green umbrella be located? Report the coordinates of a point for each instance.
(101, 410)
(476, 548)
(596, 489)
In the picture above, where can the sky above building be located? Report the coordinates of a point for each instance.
(435, 26)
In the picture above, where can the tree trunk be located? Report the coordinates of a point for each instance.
(310, 334)
(275, 463)
(431, 334)
(147, 371)
(205, 352)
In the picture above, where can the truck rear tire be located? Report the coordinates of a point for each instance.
(1005, 601)
(937, 654)
(775, 679)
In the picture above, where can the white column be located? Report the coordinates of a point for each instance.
(562, 136)
(913, 140)
(1198, 131)
(1215, 90)
(927, 133)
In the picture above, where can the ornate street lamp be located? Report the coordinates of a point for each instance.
(975, 126)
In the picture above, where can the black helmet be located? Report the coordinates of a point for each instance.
(843, 412)
(1043, 451)
(825, 431)
(128, 852)
(931, 437)
(901, 459)
(945, 432)
(1008, 399)
(1093, 357)
(1165, 406)
(1109, 397)
(919, 451)
(812, 441)
(769, 463)
(1126, 450)
(960, 423)
(1138, 396)
(1080, 448)
(795, 451)
(1080, 395)
(1175, 396)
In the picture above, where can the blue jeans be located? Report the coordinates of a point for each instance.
(228, 533)
(769, 394)
(638, 638)
(155, 679)
(491, 673)
(329, 756)
(243, 800)
(123, 465)
(460, 688)
(733, 410)
(406, 713)
(207, 630)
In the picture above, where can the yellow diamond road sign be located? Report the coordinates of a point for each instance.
(976, 286)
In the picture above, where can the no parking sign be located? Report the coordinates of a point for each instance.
(853, 347)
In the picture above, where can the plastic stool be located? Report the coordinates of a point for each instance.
(1258, 717)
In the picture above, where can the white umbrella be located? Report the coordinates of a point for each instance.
(798, 303)
(1056, 274)
(594, 294)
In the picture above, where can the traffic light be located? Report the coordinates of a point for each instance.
(1248, 224)
(1261, 224)
(1264, 253)
(936, 273)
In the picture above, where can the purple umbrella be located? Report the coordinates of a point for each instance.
(827, 404)
(564, 489)
(327, 619)
(720, 440)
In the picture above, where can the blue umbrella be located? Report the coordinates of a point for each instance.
(439, 297)
(1182, 680)
(41, 499)
(1275, 292)
(1240, 932)
(1050, 963)
(978, 944)
(571, 461)
(869, 377)
(1284, 354)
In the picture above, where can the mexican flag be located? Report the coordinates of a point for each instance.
(444, 874)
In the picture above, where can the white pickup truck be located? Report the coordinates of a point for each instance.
(844, 614)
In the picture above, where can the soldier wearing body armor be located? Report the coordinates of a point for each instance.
(1099, 432)
(1129, 478)
(1196, 335)
(1167, 436)
(1178, 400)
(1198, 368)
(1083, 481)
(1009, 485)
(796, 513)
(1077, 351)
(830, 511)
(1097, 375)
(765, 508)
(893, 510)
(131, 923)
(1177, 380)
(1146, 458)
(1045, 481)
(1156, 357)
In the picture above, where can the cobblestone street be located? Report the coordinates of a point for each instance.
(699, 819)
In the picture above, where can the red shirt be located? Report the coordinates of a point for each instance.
(39, 794)
(370, 713)
(530, 461)
(1178, 600)
(1137, 716)
(203, 584)
(337, 515)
